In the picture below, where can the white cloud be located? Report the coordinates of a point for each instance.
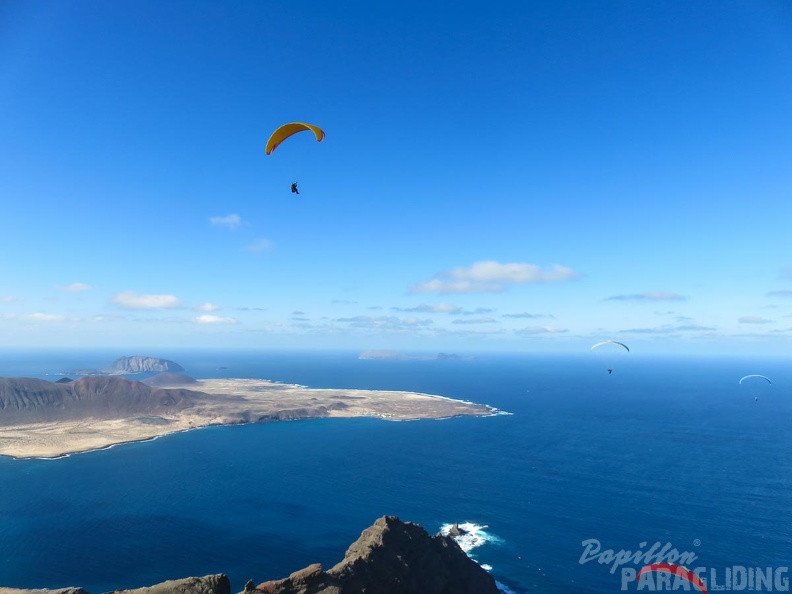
(207, 307)
(262, 245)
(132, 300)
(754, 320)
(385, 323)
(527, 315)
(43, 317)
(666, 329)
(76, 287)
(230, 222)
(475, 321)
(493, 277)
(649, 296)
(9, 299)
(783, 293)
(541, 330)
(424, 308)
(211, 319)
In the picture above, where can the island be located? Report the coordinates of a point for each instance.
(43, 419)
(387, 355)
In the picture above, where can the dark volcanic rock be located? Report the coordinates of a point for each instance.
(455, 530)
(141, 364)
(168, 378)
(210, 584)
(64, 380)
(30, 400)
(393, 557)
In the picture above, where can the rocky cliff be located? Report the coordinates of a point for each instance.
(390, 557)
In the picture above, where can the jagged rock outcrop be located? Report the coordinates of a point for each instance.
(31, 400)
(141, 364)
(455, 530)
(210, 584)
(392, 557)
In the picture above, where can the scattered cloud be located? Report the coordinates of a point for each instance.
(212, 319)
(493, 277)
(76, 287)
(527, 315)
(385, 323)
(38, 317)
(131, 300)
(423, 308)
(262, 245)
(230, 222)
(783, 293)
(207, 307)
(344, 302)
(298, 313)
(649, 296)
(9, 299)
(541, 330)
(753, 320)
(671, 329)
(475, 321)
(786, 273)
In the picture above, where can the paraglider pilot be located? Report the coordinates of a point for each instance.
(610, 370)
(294, 188)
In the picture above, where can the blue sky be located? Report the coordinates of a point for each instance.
(513, 176)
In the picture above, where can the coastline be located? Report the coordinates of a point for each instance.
(229, 402)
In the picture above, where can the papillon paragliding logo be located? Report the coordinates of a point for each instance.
(668, 576)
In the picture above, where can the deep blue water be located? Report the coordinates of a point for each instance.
(668, 450)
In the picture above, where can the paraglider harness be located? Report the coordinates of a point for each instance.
(294, 188)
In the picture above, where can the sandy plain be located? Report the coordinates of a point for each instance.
(229, 402)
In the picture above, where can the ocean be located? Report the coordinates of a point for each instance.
(666, 450)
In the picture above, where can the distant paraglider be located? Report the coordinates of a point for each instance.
(756, 383)
(288, 130)
(606, 348)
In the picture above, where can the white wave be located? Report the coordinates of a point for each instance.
(473, 535)
(504, 588)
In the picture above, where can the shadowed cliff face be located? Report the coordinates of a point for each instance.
(392, 557)
(30, 400)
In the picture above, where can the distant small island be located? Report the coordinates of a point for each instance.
(387, 355)
(133, 364)
(139, 364)
(44, 419)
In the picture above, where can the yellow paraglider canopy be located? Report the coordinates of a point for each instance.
(287, 130)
